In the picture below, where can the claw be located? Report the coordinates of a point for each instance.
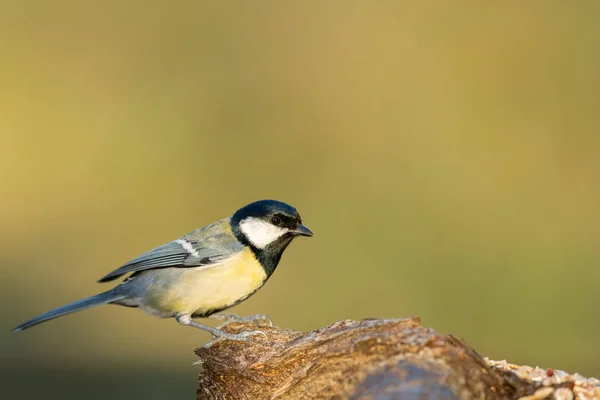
(242, 337)
(262, 317)
(250, 333)
(256, 319)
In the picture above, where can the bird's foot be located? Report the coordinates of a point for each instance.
(242, 337)
(257, 319)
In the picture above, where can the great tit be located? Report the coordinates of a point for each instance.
(203, 272)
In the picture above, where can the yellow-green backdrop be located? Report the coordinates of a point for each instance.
(446, 155)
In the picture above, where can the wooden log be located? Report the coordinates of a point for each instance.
(369, 359)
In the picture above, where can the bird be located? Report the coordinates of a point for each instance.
(203, 272)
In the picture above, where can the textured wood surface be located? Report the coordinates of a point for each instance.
(369, 359)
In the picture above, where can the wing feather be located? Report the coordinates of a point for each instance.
(204, 246)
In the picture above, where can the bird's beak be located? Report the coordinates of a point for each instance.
(302, 231)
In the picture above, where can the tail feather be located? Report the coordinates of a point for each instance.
(89, 302)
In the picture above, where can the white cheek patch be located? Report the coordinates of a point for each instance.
(261, 233)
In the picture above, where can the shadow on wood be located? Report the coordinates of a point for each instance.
(369, 359)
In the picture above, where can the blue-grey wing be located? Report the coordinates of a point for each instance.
(204, 246)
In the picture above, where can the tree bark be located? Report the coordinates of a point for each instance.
(369, 359)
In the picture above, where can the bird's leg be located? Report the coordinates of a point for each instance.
(185, 319)
(257, 319)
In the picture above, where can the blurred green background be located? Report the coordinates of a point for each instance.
(446, 156)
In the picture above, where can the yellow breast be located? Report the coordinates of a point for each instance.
(201, 289)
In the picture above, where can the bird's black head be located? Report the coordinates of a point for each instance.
(268, 227)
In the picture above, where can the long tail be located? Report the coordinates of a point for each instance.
(97, 300)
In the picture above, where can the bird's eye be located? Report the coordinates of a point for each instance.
(275, 220)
